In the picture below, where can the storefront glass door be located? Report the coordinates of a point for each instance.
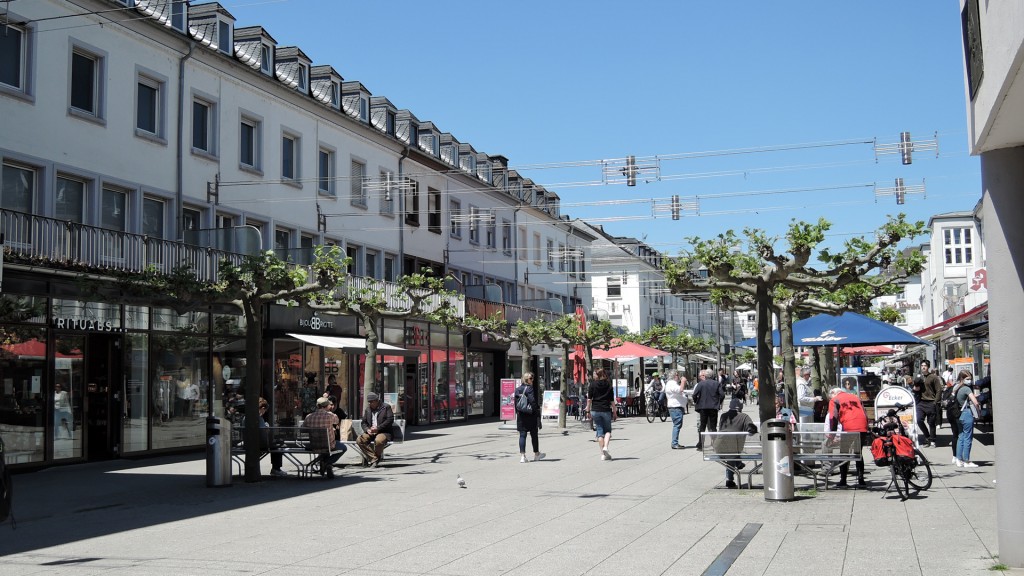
(68, 396)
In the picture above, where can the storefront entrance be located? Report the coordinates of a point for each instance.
(88, 396)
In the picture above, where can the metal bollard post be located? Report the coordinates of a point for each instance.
(218, 452)
(777, 446)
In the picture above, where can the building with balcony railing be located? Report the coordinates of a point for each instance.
(160, 134)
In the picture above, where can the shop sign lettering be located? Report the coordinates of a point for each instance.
(315, 323)
(86, 325)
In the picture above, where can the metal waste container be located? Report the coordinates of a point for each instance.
(777, 446)
(218, 452)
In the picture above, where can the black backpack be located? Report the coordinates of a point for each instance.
(947, 401)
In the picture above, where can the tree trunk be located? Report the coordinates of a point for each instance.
(563, 387)
(765, 365)
(826, 368)
(370, 366)
(788, 356)
(253, 388)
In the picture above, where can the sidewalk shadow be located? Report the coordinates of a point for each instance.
(112, 497)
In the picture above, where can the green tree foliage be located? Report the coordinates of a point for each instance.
(751, 270)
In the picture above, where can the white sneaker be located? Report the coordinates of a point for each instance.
(959, 464)
(956, 461)
(539, 456)
(969, 465)
(523, 460)
(605, 455)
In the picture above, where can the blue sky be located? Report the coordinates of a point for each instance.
(573, 81)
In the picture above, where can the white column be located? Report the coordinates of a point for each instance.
(1002, 177)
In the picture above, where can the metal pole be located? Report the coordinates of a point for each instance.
(718, 334)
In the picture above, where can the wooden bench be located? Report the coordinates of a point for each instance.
(734, 450)
(303, 447)
(397, 437)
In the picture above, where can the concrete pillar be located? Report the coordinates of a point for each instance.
(1002, 178)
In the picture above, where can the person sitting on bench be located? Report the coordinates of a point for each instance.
(378, 419)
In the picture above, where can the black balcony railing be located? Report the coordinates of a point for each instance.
(46, 241)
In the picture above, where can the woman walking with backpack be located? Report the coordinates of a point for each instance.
(528, 418)
(969, 409)
(952, 410)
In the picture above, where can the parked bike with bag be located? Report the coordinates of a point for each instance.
(893, 447)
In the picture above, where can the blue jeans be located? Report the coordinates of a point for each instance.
(677, 424)
(966, 437)
(602, 423)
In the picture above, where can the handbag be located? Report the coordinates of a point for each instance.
(523, 405)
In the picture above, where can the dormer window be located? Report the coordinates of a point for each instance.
(224, 37)
(178, 16)
(364, 109)
(303, 74)
(266, 59)
(390, 128)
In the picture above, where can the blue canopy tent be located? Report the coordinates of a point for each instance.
(846, 329)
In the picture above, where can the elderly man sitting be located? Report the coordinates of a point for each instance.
(378, 419)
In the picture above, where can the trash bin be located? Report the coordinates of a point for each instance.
(777, 446)
(218, 452)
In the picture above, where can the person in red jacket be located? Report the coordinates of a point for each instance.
(846, 409)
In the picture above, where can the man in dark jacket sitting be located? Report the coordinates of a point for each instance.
(734, 420)
(378, 419)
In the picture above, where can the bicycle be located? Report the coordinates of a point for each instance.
(893, 447)
(655, 409)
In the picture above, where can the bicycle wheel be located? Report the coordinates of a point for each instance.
(651, 411)
(899, 478)
(663, 413)
(920, 477)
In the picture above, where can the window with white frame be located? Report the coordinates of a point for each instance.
(551, 254)
(492, 229)
(562, 256)
(958, 246)
(357, 173)
(266, 58)
(412, 202)
(614, 288)
(249, 143)
(371, 264)
(454, 214)
(86, 82)
(302, 78)
(537, 249)
(114, 209)
(149, 106)
(306, 249)
(14, 59)
(434, 210)
(203, 126)
(506, 237)
(522, 247)
(289, 157)
(19, 188)
(389, 267)
(70, 201)
(325, 172)
(353, 251)
(153, 210)
(191, 219)
(474, 225)
(387, 193)
(224, 37)
(282, 244)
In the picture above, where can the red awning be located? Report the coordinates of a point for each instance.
(954, 321)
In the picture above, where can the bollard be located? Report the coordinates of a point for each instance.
(218, 452)
(777, 446)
